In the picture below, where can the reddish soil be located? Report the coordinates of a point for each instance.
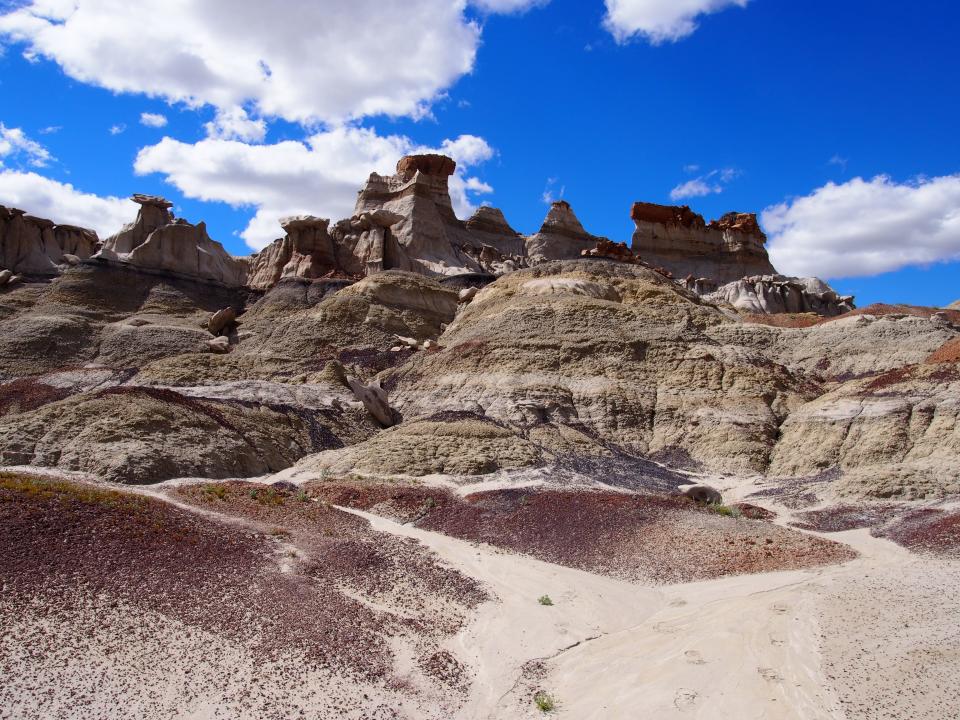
(342, 549)
(67, 544)
(755, 512)
(27, 394)
(661, 538)
(845, 517)
(949, 352)
(926, 530)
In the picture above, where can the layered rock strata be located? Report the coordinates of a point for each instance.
(676, 238)
(35, 246)
(156, 241)
(561, 237)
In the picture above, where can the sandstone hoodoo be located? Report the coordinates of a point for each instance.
(158, 242)
(561, 237)
(676, 238)
(406, 222)
(36, 246)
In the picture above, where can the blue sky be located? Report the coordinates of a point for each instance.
(761, 106)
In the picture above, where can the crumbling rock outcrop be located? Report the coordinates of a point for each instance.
(158, 242)
(561, 237)
(891, 435)
(31, 245)
(676, 238)
(774, 294)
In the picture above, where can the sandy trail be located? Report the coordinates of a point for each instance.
(741, 647)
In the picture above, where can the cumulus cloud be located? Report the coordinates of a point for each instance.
(866, 227)
(713, 183)
(320, 175)
(63, 203)
(659, 21)
(234, 124)
(507, 6)
(14, 145)
(154, 120)
(313, 62)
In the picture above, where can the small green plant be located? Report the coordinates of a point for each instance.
(725, 510)
(430, 503)
(545, 600)
(254, 494)
(217, 491)
(303, 497)
(544, 702)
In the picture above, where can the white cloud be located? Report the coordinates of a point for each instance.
(694, 188)
(320, 175)
(15, 144)
(866, 227)
(63, 203)
(234, 124)
(659, 21)
(551, 193)
(507, 6)
(118, 129)
(154, 120)
(713, 183)
(311, 62)
(839, 161)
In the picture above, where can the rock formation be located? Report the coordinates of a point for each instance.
(772, 294)
(676, 238)
(156, 241)
(561, 237)
(35, 246)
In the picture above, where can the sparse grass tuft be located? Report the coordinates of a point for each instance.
(544, 702)
(545, 600)
(215, 490)
(725, 510)
(303, 497)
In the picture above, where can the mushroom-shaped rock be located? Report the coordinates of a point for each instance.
(703, 494)
(428, 164)
(221, 320)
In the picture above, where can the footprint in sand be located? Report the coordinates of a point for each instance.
(665, 628)
(777, 641)
(780, 609)
(769, 674)
(694, 657)
(685, 699)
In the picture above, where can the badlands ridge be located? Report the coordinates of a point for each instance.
(403, 465)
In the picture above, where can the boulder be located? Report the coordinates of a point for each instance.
(221, 320)
(219, 345)
(374, 399)
(703, 494)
